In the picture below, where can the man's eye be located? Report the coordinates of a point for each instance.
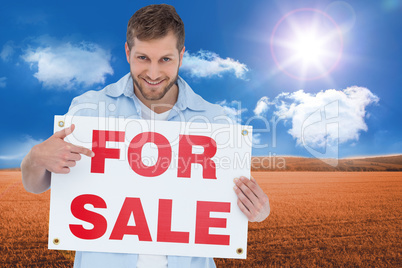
(166, 59)
(142, 57)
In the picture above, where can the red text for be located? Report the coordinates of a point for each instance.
(186, 157)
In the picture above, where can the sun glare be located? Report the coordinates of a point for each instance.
(308, 48)
(306, 44)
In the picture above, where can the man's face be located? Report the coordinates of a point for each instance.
(154, 66)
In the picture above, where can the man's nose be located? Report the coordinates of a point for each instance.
(153, 71)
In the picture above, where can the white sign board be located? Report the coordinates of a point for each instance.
(153, 187)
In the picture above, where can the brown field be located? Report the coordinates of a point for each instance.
(291, 163)
(325, 219)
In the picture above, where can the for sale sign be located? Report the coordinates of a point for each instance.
(153, 187)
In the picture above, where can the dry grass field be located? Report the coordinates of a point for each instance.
(325, 219)
(291, 163)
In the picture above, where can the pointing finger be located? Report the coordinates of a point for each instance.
(82, 150)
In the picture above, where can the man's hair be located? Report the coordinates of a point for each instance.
(154, 22)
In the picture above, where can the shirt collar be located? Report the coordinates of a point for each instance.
(186, 99)
(122, 86)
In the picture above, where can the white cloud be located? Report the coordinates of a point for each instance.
(233, 109)
(208, 64)
(16, 150)
(326, 117)
(262, 106)
(7, 51)
(69, 65)
(3, 82)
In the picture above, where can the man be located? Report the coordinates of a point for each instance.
(152, 90)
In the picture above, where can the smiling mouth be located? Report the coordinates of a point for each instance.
(153, 83)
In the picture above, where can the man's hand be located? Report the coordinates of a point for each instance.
(253, 202)
(57, 155)
(52, 155)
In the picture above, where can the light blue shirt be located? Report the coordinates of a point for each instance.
(118, 100)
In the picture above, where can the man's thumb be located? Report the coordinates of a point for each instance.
(64, 132)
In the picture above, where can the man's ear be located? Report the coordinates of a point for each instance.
(127, 52)
(181, 56)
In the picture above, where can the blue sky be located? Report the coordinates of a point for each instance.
(314, 78)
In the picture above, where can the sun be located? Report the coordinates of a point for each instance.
(306, 44)
(308, 48)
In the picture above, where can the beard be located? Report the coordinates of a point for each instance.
(149, 95)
